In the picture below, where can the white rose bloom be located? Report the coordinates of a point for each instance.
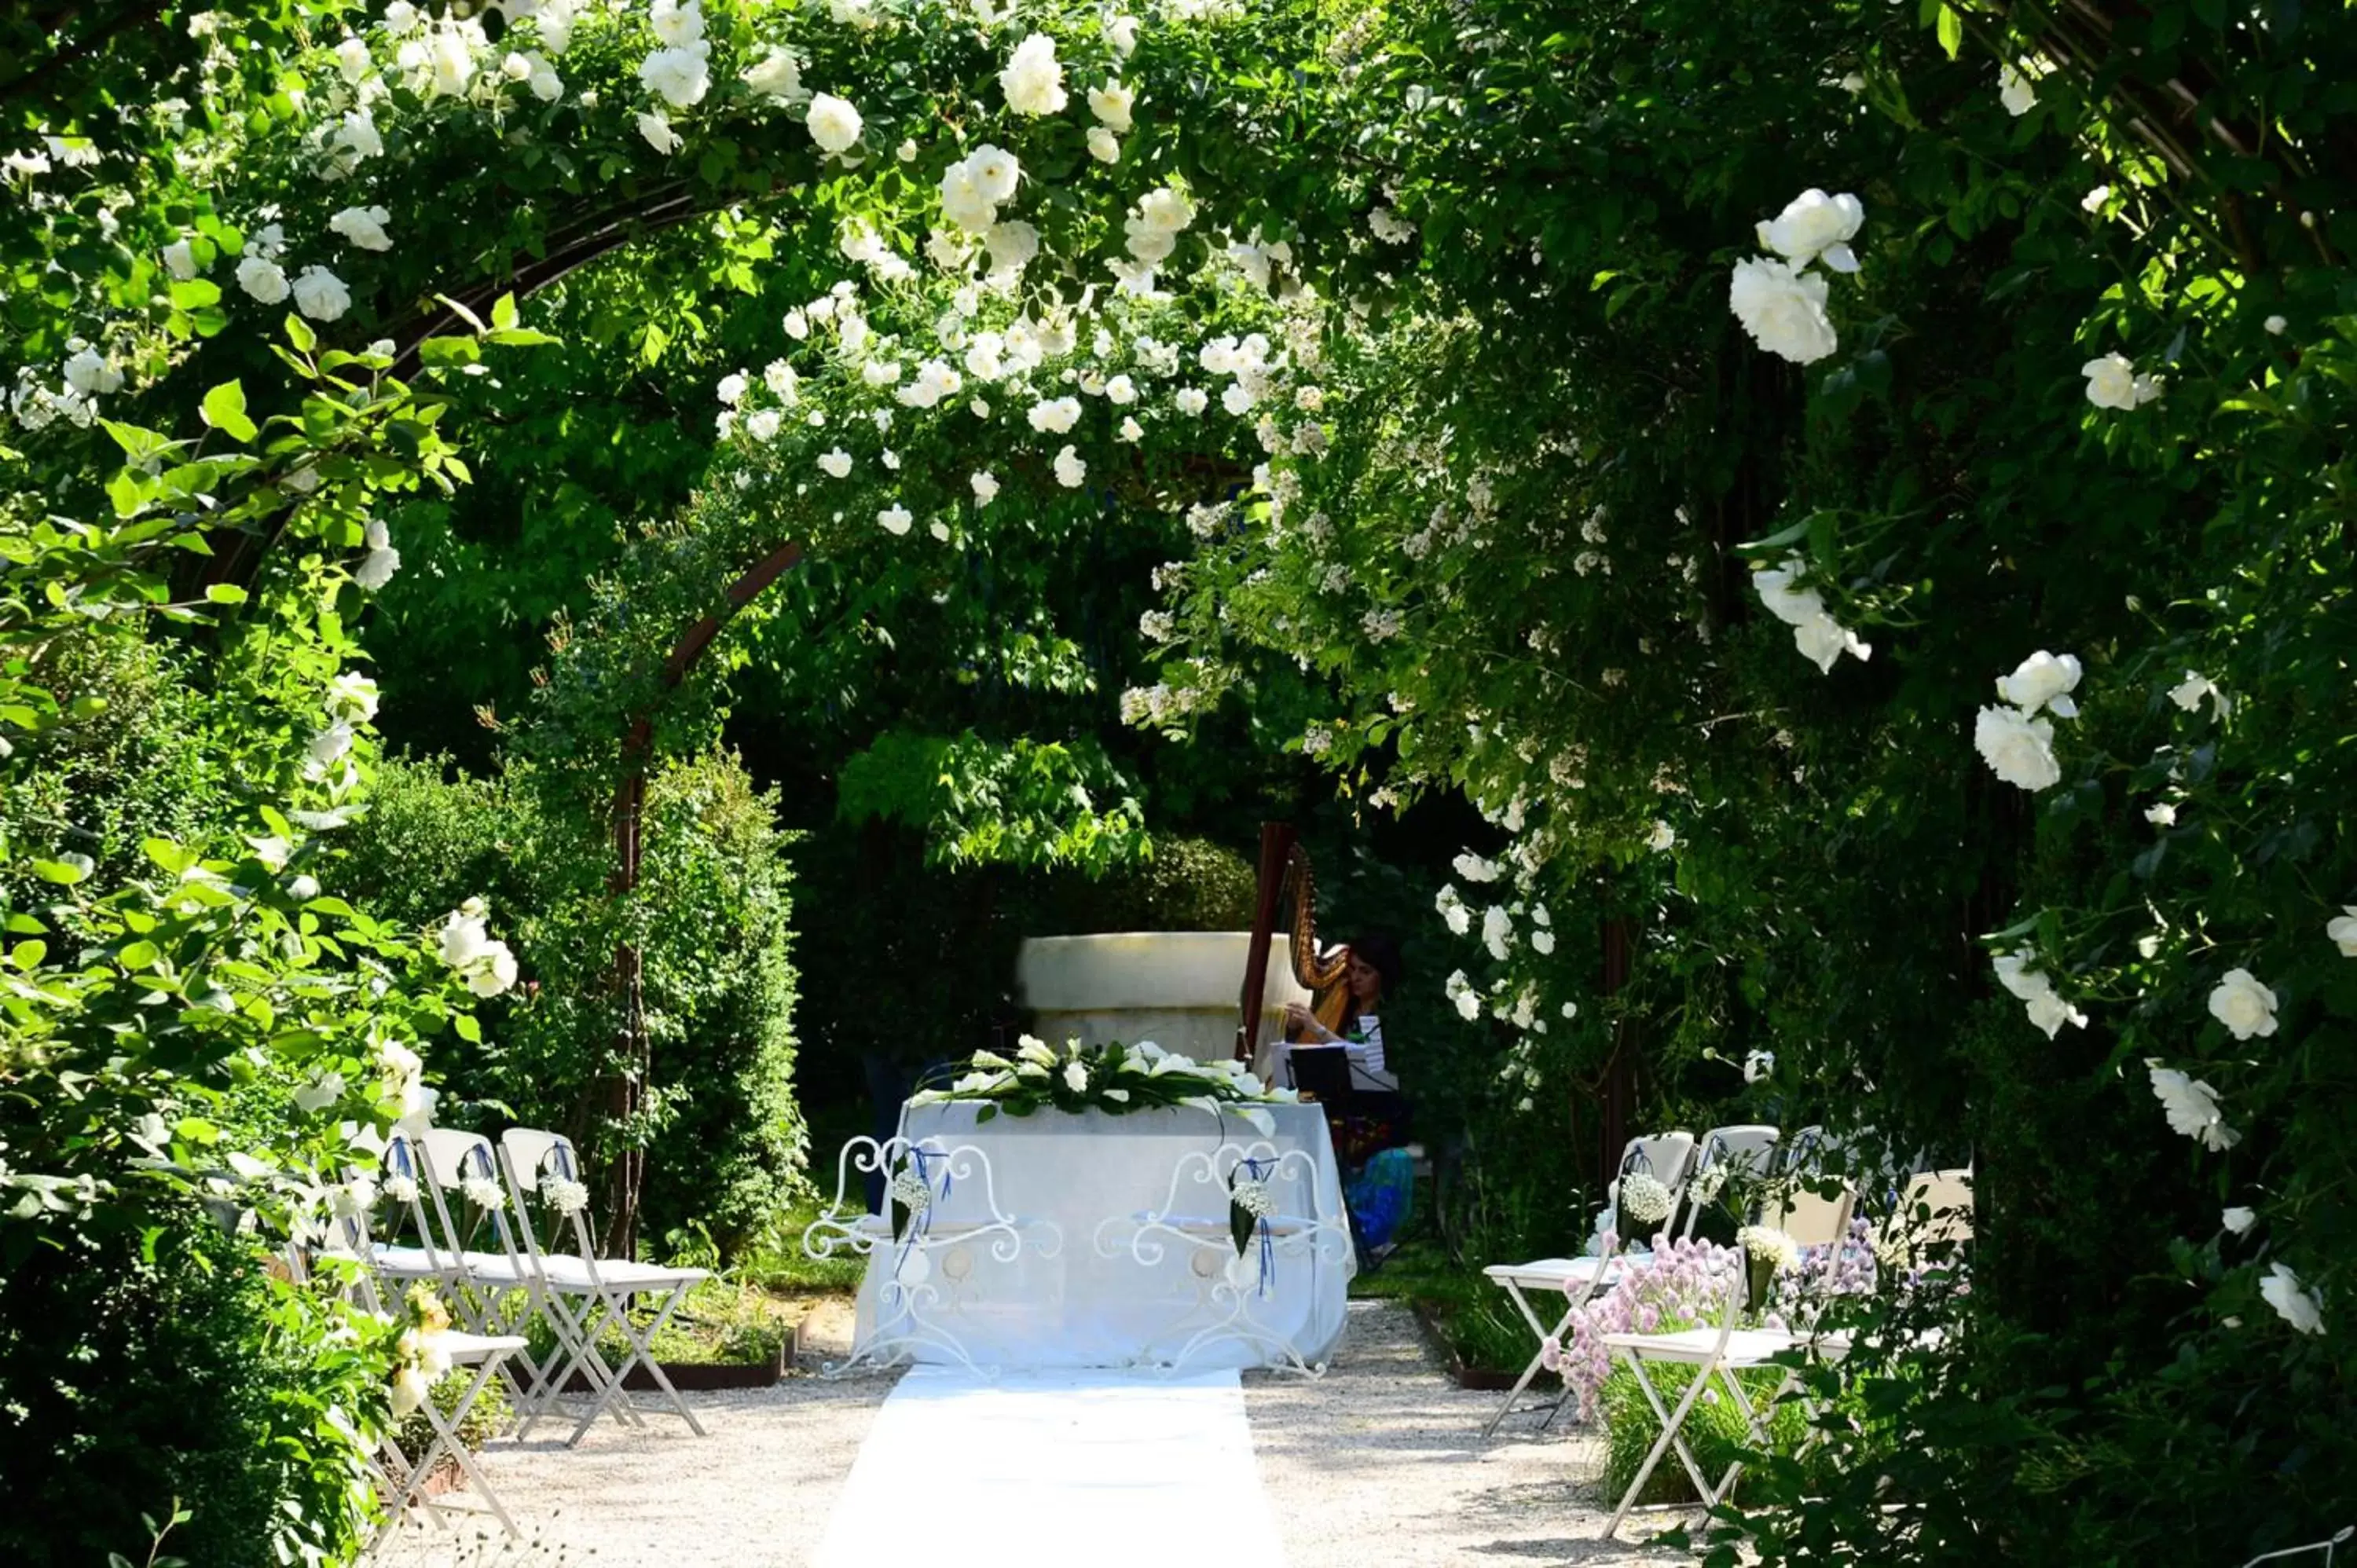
(494, 973)
(1785, 311)
(1057, 416)
(1192, 399)
(1758, 1066)
(2018, 749)
(2341, 929)
(1120, 389)
(352, 60)
(1122, 32)
(545, 84)
(452, 57)
(779, 75)
(2295, 1305)
(363, 226)
(994, 171)
(962, 202)
(2163, 815)
(1069, 470)
(1390, 227)
(401, 18)
(895, 520)
(352, 695)
(515, 68)
(2013, 91)
(321, 294)
(1033, 81)
(836, 464)
(2275, 326)
(2113, 383)
(2238, 1221)
(676, 24)
(1813, 225)
(680, 76)
(1131, 430)
(733, 387)
(2191, 1107)
(834, 124)
(180, 260)
(1104, 146)
(2246, 1007)
(2188, 694)
(2043, 681)
(1662, 837)
(262, 280)
(358, 135)
(1011, 245)
(1111, 104)
(89, 373)
(656, 129)
(1076, 1077)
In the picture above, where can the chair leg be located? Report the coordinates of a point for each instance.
(1673, 1425)
(1522, 1303)
(447, 1441)
(642, 1354)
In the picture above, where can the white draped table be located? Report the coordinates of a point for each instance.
(1126, 1257)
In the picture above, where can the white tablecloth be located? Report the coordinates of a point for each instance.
(1078, 1295)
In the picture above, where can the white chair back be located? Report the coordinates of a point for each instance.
(1665, 1157)
(1947, 1196)
(1743, 1150)
(529, 1155)
(1810, 1219)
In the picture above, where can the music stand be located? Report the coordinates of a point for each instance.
(1323, 1071)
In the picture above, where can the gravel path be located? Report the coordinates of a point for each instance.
(1380, 1461)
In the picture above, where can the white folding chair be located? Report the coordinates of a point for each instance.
(1745, 1151)
(1665, 1157)
(438, 1259)
(486, 1355)
(608, 1285)
(1723, 1353)
(529, 1161)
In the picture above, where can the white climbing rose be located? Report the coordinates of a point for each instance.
(1069, 470)
(2293, 1303)
(2042, 679)
(1815, 225)
(2018, 749)
(1111, 104)
(2246, 1007)
(1034, 80)
(778, 75)
(896, 518)
(363, 226)
(2113, 383)
(834, 124)
(321, 294)
(2343, 930)
(265, 280)
(656, 129)
(2191, 1107)
(1784, 310)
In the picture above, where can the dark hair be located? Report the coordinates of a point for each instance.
(1379, 949)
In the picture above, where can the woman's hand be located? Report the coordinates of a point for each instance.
(1298, 1017)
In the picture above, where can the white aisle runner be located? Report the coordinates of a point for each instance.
(1070, 1469)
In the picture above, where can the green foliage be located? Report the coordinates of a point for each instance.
(1184, 885)
(1714, 1430)
(712, 920)
(131, 1376)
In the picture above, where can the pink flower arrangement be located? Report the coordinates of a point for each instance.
(1676, 1286)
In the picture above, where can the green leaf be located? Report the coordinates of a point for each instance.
(225, 594)
(1952, 30)
(503, 313)
(225, 409)
(299, 333)
(194, 294)
(139, 956)
(66, 870)
(28, 955)
(469, 1029)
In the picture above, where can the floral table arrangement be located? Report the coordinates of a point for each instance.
(1113, 1078)
(1117, 1079)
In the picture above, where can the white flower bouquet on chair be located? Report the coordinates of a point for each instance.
(1238, 1214)
(942, 1230)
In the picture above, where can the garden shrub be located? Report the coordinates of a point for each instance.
(127, 1382)
(712, 919)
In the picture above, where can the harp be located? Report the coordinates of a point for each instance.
(1284, 872)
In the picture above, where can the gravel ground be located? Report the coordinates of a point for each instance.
(1379, 1462)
